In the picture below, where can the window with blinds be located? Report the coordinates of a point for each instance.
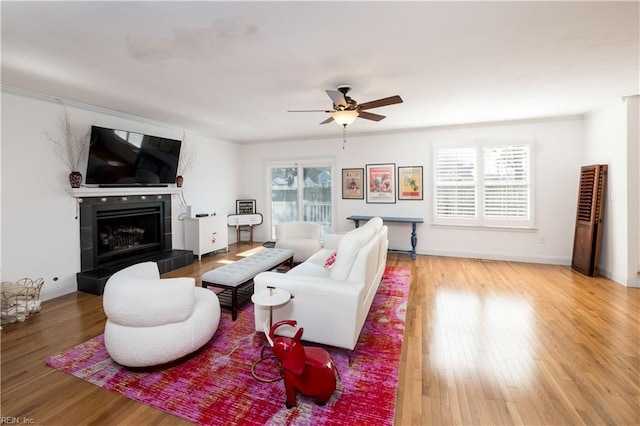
(483, 183)
(456, 182)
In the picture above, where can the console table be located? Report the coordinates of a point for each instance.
(244, 223)
(412, 220)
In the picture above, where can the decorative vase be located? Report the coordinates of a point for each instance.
(179, 180)
(75, 179)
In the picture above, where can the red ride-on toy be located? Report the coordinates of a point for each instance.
(308, 370)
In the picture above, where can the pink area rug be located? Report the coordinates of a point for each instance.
(215, 387)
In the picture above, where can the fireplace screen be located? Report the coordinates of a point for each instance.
(126, 231)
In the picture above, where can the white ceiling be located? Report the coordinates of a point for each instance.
(231, 70)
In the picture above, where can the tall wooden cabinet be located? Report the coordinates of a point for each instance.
(206, 234)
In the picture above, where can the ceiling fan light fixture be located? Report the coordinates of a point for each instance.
(344, 118)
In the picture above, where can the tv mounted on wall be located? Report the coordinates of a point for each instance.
(123, 158)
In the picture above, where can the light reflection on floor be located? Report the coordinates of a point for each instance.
(488, 335)
(251, 251)
(242, 254)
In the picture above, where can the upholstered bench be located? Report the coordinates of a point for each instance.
(236, 279)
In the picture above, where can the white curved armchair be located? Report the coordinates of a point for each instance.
(152, 321)
(301, 237)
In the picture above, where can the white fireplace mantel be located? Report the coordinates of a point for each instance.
(88, 191)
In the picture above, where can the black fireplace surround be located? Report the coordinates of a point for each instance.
(116, 232)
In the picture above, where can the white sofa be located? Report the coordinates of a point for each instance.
(331, 303)
(152, 321)
(301, 237)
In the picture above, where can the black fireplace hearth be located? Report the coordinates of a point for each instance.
(116, 232)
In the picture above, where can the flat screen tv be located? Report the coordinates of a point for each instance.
(123, 158)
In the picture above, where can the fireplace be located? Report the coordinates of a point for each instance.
(126, 232)
(116, 232)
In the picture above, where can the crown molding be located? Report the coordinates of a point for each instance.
(88, 107)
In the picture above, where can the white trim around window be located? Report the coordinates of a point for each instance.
(486, 183)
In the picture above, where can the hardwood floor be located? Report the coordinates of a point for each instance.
(485, 343)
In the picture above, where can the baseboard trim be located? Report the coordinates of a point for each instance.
(509, 257)
(633, 282)
(619, 279)
(58, 291)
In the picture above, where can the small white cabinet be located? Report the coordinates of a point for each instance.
(206, 234)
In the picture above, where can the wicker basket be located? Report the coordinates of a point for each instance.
(20, 299)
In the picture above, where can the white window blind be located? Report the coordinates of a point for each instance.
(506, 183)
(483, 183)
(456, 181)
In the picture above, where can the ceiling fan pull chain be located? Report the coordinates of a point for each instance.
(344, 135)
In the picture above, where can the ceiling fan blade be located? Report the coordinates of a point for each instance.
(381, 102)
(308, 110)
(337, 98)
(370, 116)
(328, 120)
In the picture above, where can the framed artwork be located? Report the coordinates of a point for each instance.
(381, 186)
(352, 184)
(245, 206)
(410, 183)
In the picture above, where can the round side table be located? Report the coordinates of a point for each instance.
(271, 297)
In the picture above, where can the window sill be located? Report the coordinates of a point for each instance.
(486, 227)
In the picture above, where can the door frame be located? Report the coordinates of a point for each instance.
(299, 163)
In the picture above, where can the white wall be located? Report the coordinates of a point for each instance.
(1, 278)
(609, 140)
(558, 160)
(40, 234)
(211, 184)
(633, 187)
(636, 106)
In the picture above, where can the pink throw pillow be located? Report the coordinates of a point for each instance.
(330, 260)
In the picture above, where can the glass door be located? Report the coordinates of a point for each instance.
(302, 193)
(284, 195)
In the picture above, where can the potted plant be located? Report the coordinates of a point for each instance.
(71, 145)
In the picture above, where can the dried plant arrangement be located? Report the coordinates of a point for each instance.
(72, 145)
(187, 156)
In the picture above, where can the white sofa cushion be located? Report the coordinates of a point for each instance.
(313, 267)
(348, 249)
(375, 222)
(332, 241)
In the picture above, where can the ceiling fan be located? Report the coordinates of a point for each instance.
(346, 110)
